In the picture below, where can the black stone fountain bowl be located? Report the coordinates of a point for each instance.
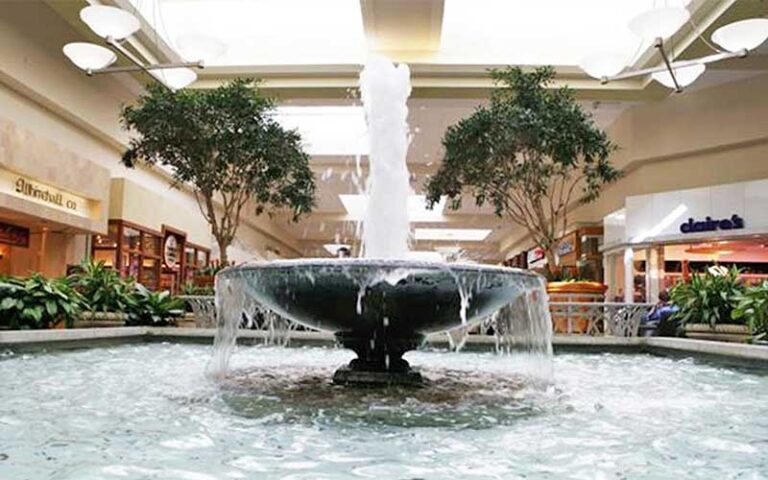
(358, 296)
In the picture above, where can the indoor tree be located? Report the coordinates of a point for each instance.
(227, 146)
(530, 153)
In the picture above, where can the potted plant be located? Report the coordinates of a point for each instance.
(706, 304)
(532, 154)
(105, 295)
(225, 144)
(752, 308)
(37, 303)
(563, 287)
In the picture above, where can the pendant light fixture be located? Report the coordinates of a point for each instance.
(658, 24)
(115, 25)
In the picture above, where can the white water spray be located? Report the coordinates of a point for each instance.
(385, 89)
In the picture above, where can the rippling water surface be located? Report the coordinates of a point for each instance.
(148, 412)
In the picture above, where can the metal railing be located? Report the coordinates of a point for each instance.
(598, 318)
(569, 318)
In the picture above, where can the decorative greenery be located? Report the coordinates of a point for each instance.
(37, 302)
(752, 309)
(226, 144)
(197, 290)
(707, 298)
(157, 309)
(101, 287)
(527, 154)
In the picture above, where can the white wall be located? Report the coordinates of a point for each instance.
(658, 216)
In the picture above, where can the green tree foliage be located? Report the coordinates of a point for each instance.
(529, 153)
(226, 144)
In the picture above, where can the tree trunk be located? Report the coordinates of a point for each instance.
(223, 244)
(551, 256)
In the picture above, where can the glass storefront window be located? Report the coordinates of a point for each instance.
(131, 238)
(149, 273)
(109, 240)
(150, 244)
(133, 264)
(106, 256)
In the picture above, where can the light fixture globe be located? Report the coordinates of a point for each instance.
(685, 75)
(175, 78)
(87, 56)
(603, 64)
(745, 34)
(195, 46)
(659, 22)
(108, 21)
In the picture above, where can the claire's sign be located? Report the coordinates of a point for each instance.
(710, 224)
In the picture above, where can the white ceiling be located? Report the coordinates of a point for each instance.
(522, 32)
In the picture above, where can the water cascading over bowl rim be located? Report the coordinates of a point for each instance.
(378, 308)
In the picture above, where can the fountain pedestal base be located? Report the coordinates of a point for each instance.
(347, 375)
(379, 360)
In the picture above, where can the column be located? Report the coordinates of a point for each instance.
(629, 275)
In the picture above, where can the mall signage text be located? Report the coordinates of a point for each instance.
(30, 189)
(709, 224)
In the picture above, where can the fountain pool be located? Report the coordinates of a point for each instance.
(149, 411)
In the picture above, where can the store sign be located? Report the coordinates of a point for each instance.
(14, 235)
(535, 255)
(564, 248)
(171, 251)
(28, 189)
(711, 225)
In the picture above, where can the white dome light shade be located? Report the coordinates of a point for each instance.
(745, 34)
(109, 21)
(194, 47)
(175, 78)
(604, 64)
(88, 56)
(659, 22)
(685, 75)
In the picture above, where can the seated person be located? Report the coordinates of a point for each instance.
(659, 320)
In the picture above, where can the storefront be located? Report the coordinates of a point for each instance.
(659, 239)
(578, 254)
(48, 209)
(141, 243)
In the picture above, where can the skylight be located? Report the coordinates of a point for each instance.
(328, 130)
(417, 208)
(457, 234)
(264, 32)
(541, 32)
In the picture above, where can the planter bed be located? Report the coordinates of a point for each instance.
(724, 332)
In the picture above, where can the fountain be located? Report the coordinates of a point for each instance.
(383, 305)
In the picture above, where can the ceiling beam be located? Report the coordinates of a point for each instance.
(402, 25)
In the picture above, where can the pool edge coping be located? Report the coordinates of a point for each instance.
(85, 336)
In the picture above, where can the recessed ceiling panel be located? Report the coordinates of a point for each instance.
(263, 32)
(540, 32)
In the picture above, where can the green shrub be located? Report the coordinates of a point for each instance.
(37, 302)
(752, 308)
(153, 308)
(707, 298)
(102, 288)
